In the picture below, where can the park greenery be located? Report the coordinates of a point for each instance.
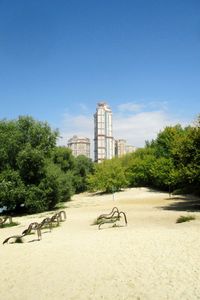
(171, 163)
(36, 174)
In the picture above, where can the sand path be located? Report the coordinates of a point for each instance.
(152, 258)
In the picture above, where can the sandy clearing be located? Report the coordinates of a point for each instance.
(151, 258)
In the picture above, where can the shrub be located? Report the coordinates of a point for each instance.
(9, 224)
(35, 200)
(182, 219)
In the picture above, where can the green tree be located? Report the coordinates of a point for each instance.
(27, 150)
(82, 168)
(35, 200)
(166, 139)
(9, 146)
(108, 176)
(63, 157)
(138, 167)
(64, 180)
(163, 173)
(30, 162)
(16, 134)
(12, 190)
(38, 134)
(187, 154)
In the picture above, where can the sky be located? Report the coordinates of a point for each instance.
(58, 59)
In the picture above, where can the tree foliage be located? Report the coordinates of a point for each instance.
(35, 174)
(82, 168)
(138, 167)
(171, 161)
(63, 157)
(109, 176)
(12, 189)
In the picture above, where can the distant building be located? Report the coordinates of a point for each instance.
(103, 133)
(120, 147)
(130, 149)
(79, 146)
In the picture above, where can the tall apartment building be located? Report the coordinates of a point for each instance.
(103, 133)
(79, 146)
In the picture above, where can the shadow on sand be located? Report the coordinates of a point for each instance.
(187, 203)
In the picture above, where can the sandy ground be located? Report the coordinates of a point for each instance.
(152, 258)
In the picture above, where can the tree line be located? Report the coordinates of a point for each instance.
(171, 163)
(36, 174)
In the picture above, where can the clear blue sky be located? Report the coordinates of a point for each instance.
(59, 58)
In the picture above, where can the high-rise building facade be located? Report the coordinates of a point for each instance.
(103, 133)
(79, 146)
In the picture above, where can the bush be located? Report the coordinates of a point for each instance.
(182, 219)
(5, 225)
(30, 163)
(12, 190)
(63, 181)
(35, 200)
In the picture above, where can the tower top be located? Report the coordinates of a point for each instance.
(103, 105)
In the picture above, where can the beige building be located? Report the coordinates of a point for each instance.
(130, 149)
(121, 148)
(79, 146)
(103, 133)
